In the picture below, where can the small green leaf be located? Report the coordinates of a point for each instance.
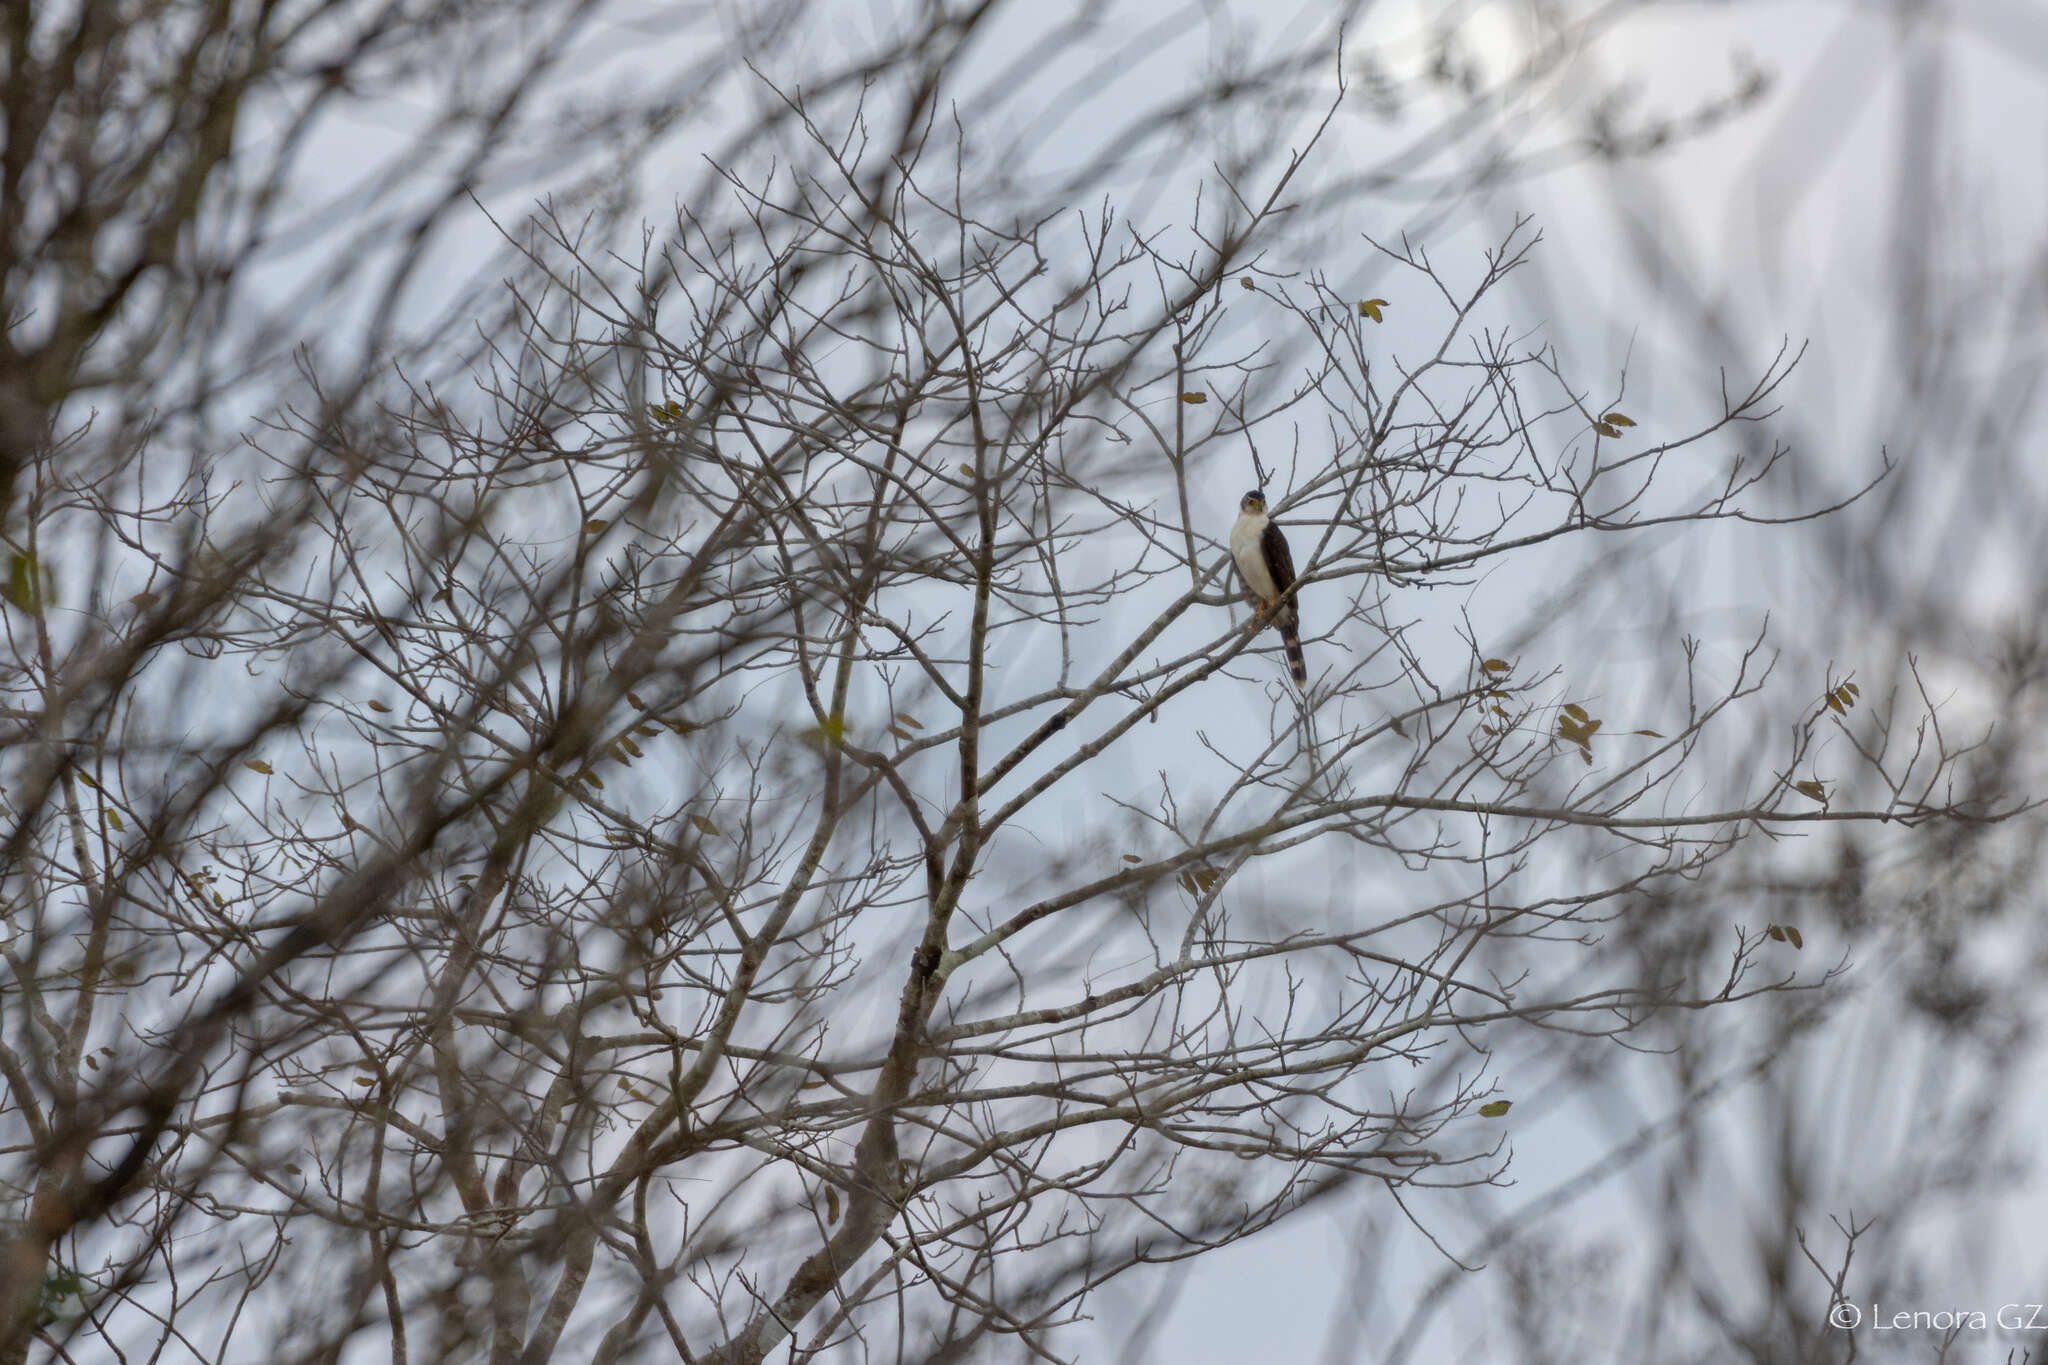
(112, 817)
(1496, 1109)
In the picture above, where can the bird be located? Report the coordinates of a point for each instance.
(1267, 565)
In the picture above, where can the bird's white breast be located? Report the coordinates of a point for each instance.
(1250, 557)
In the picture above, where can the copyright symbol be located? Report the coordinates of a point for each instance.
(1844, 1315)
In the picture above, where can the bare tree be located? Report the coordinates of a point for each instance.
(736, 805)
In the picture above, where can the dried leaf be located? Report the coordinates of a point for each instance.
(1495, 1109)
(595, 526)
(1616, 419)
(1813, 789)
(1575, 711)
(256, 765)
(912, 721)
(378, 707)
(1496, 665)
(635, 702)
(1774, 932)
(1245, 282)
(704, 825)
(1653, 734)
(1132, 858)
(1793, 936)
(143, 599)
(1192, 397)
(1606, 429)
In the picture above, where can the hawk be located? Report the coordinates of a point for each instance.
(1268, 568)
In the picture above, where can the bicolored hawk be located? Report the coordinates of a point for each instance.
(1268, 568)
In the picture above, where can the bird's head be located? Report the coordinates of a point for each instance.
(1254, 501)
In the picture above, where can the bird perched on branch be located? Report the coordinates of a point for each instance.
(1268, 568)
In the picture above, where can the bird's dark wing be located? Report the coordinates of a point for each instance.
(1279, 559)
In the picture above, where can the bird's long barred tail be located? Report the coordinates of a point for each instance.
(1289, 624)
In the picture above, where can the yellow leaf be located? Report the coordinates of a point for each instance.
(113, 818)
(1194, 398)
(85, 780)
(444, 596)
(1575, 711)
(630, 747)
(378, 707)
(1370, 308)
(1132, 858)
(912, 721)
(1616, 419)
(1606, 429)
(1245, 282)
(257, 765)
(1496, 665)
(1775, 932)
(591, 778)
(1813, 789)
(1852, 689)
(703, 824)
(1497, 1109)
(831, 1205)
(1834, 703)
(966, 469)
